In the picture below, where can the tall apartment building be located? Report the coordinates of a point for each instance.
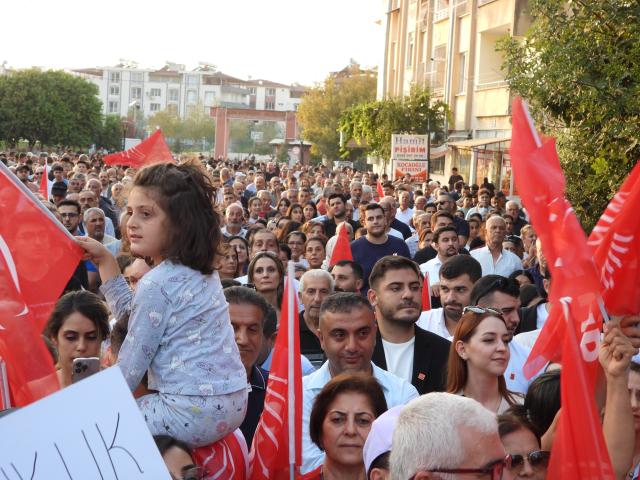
(449, 46)
(174, 88)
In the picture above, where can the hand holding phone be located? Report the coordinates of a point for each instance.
(84, 367)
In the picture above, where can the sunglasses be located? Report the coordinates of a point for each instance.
(537, 459)
(494, 469)
(482, 310)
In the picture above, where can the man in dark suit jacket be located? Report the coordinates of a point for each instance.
(402, 348)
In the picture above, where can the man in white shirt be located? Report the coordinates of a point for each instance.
(404, 213)
(503, 294)
(446, 244)
(457, 276)
(348, 335)
(402, 348)
(493, 258)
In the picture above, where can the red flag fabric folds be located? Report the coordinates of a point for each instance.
(426, 293)
(277, 443)
(226, 458)
(615, 241)
(574, 331)
(379, 189)
(44, 186)
(152, 150)
(342, 247)
(37, 257)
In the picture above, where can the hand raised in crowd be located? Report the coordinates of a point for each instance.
(616, 350)
(630, 326)
(97, 253)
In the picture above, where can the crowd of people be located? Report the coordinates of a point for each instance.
(182, 283)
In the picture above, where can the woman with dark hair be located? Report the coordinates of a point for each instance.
(296, 241)
(521, 442)
(283, 206)
(228, 263)
(478, 358)
(241, 246)
(76, 327)
(315, 251)
(522, 277)
(310, 211)
(296, 213)
(266, 273)
(313, 229)
(542, 401)
(340, 421)
(281, 225)
(292, 226)
(177, 457)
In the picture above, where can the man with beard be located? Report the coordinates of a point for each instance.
(337, 206)
(457, 276)
(493, 258)
(503, 294)
(402, 348)
(234, 219)
(347, 276)
(445, 243)
(355, 191)
(368, 249)
(94, 221)
(69, 211)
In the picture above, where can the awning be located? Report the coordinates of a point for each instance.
(478, 142)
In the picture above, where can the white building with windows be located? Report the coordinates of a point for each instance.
(174, 88)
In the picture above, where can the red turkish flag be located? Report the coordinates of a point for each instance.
(426, 293)
(575, 330)
(379, 189)
(277, 443)
(152, 150)
(43, 188)
(342, 247)
(37, 257)
(615, 241)
(226, 458)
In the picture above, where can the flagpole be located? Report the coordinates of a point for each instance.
(291, 412)
(29, 194)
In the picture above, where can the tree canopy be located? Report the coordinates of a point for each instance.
(190, 130)
(579, 68)
(52, 107)
(372, 123)
(321, 107)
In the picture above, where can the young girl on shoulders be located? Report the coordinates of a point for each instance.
(179, 329)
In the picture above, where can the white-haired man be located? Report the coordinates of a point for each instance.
(234, 219)
(315, 285)
(442, 433)
(493, 258)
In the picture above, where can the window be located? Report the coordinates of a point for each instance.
(192, 80)
(252, 90)
(271, 92)
(113, 107)
(173, 94)
(154, 107)
(137, 76)
(114, 90)
(191, 96)
(269, 106)
(209, 98)
(114, 77)
(409, 60)
(462, 79)
(136, 93)
(155, 92)
(437, 166)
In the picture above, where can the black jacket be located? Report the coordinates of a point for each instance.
(528, 318)
(430, 356)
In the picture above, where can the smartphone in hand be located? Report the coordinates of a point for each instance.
(84, 367)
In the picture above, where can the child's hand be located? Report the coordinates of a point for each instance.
(94, 251)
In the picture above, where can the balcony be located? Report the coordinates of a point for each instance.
(235, 90)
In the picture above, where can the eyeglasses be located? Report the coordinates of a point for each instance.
(537, 459)
(495, 469)
(482, 310)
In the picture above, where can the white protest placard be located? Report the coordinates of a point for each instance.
(90, 430)
(409, 147)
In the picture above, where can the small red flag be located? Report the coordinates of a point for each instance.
(615, 241)
(37, 257)
(379, 189)
(152, 150)
(277, 443)
(226, 458)
(573, 326)
(426, 293)
(342, 247)
(43, 188)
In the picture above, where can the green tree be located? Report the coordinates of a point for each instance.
(110, 134)
(51, 107)
(188, 131)
(579, 68)
(371, 124)
(321, 107)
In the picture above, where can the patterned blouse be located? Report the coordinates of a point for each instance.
(179, 331)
